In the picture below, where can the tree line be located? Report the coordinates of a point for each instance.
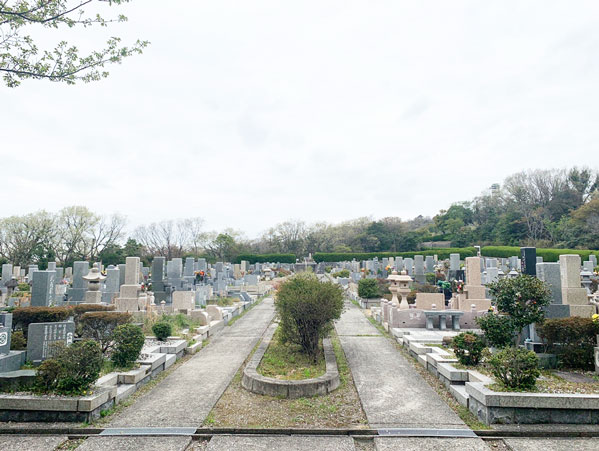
(543, 208)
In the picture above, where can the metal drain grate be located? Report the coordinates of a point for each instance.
(148, 431)
(406, 432)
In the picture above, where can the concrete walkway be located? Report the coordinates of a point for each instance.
(392, 392)
(187, 395)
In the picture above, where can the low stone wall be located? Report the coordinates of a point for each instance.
(470, 388)
(262, 385)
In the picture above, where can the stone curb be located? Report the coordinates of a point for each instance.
(262, 385)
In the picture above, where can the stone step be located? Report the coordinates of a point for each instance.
(170, 360)
(108, 379)
(123, 391)
(459, 393)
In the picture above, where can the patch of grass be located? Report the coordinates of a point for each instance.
(340, 408)
(286, 361)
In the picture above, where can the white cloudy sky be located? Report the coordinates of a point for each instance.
(248, 113)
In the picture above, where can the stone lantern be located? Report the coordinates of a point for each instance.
(93, 278)
(400, 284)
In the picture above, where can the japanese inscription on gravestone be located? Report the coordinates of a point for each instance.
(41, 337)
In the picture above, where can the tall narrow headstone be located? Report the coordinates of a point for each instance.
(429, 263)
(572, 292)
(77, 292)
(529, 260)
(111, 284)
(42, 290)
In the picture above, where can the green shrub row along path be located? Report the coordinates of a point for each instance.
(186, 396)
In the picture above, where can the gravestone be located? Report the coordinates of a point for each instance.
(6, 274)
(43, 288)
(572, 292)
(551, 275)
(419, 269)
(30, 270)
(41, 336)
(588, 266)
(593, 258)
(158, 279)
(409, 266)
(5, 331)
(529, 260)
(111, 284)
(454, 262)
(399, 264)
(429, 263)
(77, 292)
(122, 270)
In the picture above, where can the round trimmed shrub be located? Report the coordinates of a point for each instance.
(468, 348)
(499, 330)
(572, 340)
(162, 330)
(368, 289)
(128, 339)
(516, 368)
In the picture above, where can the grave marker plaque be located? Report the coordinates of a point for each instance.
(41, 337)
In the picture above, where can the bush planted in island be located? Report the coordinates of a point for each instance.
(516, 368)
(368, 289)
(162, 330)
(128, 340)
(306, 308)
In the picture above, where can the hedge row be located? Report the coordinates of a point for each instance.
(442, 253)
(549, 255)
(266, 258)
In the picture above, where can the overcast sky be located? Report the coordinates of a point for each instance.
(248, 113)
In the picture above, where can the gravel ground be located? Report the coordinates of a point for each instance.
(240, 408)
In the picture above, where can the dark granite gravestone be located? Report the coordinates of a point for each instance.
(43, 288)
(41, 336)
(529, 260)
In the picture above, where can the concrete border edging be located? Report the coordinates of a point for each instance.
(292, 389)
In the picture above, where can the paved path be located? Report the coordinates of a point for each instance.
(187, 395)
(392, 392)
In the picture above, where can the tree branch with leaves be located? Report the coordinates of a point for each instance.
(21, 58)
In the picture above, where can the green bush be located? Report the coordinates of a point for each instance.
(328, 269)
(80, 309)
(571, 339)
(342, 273)
(18, 341)
(162, 330)
(306, 308)
(72, 369)
(523, 298)
(431, 278)
(266, 258)
(515, 368)
(22, 317)
(23, 286)
(498, 329)
(100, 326)
(128, 339)
(368, 289)
(468, 348)
(442, 253)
